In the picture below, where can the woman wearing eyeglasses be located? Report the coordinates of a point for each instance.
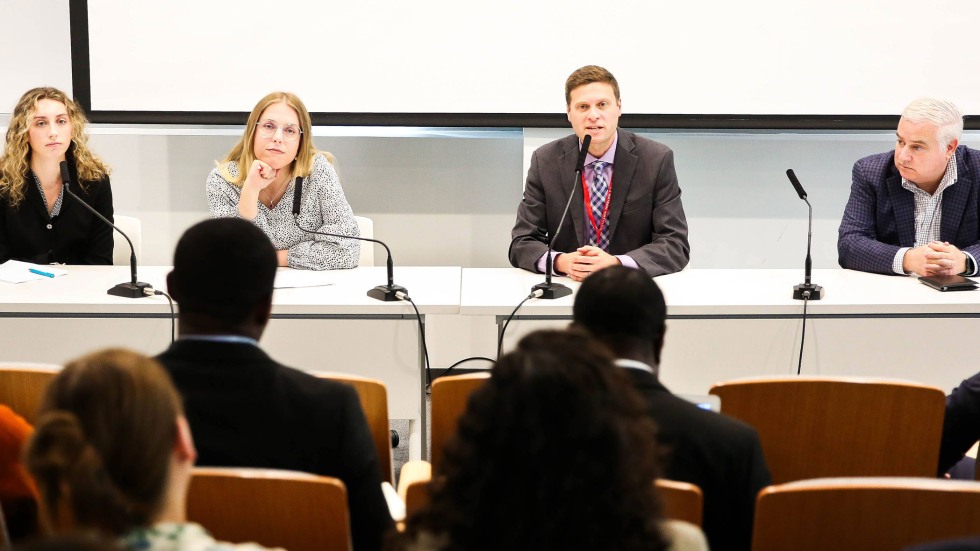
(256, 181)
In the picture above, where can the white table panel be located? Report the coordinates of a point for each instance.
(725, 324)
(329, 328)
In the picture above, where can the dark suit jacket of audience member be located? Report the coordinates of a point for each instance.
(246, 410)
(961, 426)
(719, 454)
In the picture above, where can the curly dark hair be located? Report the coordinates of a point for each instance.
(554, 452)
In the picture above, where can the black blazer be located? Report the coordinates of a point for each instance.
(246, 410)
(719, 454)
(961, 424)
(75, 236)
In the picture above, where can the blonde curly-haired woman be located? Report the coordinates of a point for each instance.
(38, 222)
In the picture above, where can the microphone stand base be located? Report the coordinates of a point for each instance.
(551, 291)
(130, 290)
(815, 291)
(387, 293)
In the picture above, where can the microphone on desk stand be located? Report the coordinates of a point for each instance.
(806, 290)
(386, 293)
(132, 289)
(547, 289)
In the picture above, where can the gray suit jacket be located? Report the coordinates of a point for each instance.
(646, 217)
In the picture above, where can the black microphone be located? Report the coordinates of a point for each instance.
(297, 195)
(132, 289)
(580, 163)
(806, 290)
(386, 293)
(796, 184)
(549, 290)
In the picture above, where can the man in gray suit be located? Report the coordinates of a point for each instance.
(629, 208)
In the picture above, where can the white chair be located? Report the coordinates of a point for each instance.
(366, 227)
(120, 249)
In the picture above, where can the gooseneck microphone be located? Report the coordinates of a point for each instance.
(132, 289)
(806, 290)
(548, 289)
(386, 293)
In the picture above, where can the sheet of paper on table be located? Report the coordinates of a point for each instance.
(15, 271)
(289, 278)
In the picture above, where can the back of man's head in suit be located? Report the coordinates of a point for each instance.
(223, 275)
(624, 309)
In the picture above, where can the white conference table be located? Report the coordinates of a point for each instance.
(334, 328)
(726, 324)
(723, 324)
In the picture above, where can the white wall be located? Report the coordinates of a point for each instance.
(437, 56)
(35, 48)
(449, 197)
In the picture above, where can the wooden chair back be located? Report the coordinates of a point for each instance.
(22, 387)
(449, 397)
(864, 514)
(814, 427)
(293, 510)
(374, 401)
(682, 500)
(413, 485)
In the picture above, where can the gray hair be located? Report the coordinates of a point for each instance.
(946, 116)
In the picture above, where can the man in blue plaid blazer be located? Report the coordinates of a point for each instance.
(916, 210)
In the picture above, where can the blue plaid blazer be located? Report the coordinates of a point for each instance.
(880, 214)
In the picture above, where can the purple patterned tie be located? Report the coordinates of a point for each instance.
(597, 201)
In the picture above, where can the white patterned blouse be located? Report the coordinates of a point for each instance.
(324, 209)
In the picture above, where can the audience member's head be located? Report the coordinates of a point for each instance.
(111, 450)
(625, 310)
(553, 452)
(224, 271)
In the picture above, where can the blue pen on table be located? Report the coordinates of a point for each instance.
(39, 272)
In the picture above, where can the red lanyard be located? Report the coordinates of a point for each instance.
(588, 207)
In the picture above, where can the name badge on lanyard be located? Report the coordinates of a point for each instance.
(597, 226)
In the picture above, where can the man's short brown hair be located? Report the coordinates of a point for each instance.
(588, 75)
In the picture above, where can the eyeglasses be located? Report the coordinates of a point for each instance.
(268, 129)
